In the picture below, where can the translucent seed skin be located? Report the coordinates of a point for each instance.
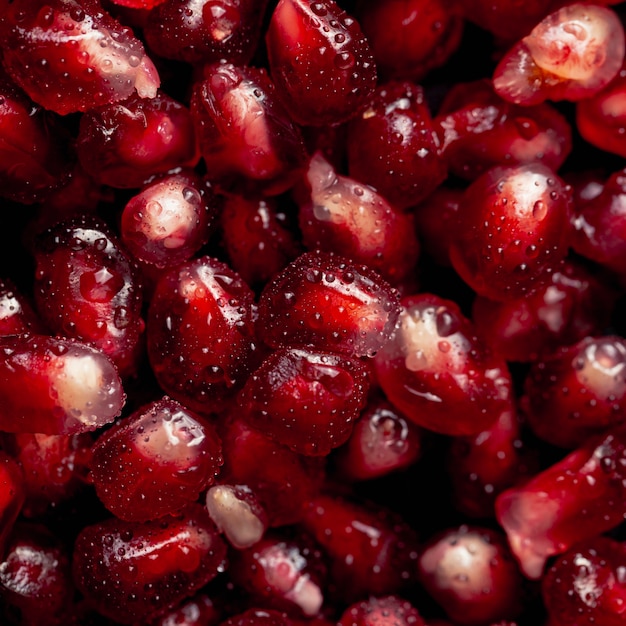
(56, 386)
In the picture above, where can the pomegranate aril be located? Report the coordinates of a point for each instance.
(35, 157)
(370, 551)
(16, 314)
(601, 119)
(320, 61)
(200, 333)
(238, 513)
(305, 400)
(577, 392)
(155, 462)
(471, 573)
(381, 611)
(586, 586)
(132, 571)
(87, 287)
(324, 301)
(513, 231)
(257, 237)
(282, 480)
(339, 214)
(573, 500)
(55, 467)
(169, 220)
(246, 138)
(382, 441)
(35, 577)
(600, 226)
(206, 31)
(483, 466)
(574, 304)
(200, 610)
(70, 55)
(125, 144)
(570, 55)
(437, 372)
(410, 38)
(282, 573)
(393, 145)
(480, 130)
(56, 386)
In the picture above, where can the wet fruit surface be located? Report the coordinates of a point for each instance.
(312, 313)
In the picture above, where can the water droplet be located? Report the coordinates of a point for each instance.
(540, 210)
(344, 60)
(447, 323)
(134, 60)
(191, 195)
(318, 8)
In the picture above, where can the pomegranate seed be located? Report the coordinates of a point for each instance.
(332, 74)
(571, 54)
(570, 501)
(339, 306)
(56, 386)
(87, 287)
(124, 144)
(513, 230)
(206, 31)
(72, 56)
(437, 372)
(200, 333)
(305, 400)
(471, 573)
(132, 570)
(383, 611)
(155, 462)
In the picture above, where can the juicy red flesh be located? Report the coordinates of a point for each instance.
(257, 238)
(472, 574)
(155, 461)
(371, 552)
(381, 611)
(600, 225)
(16, 313)
(577, 392)
(513, 231)
(55, 468)
(282, 573)
(245, 135)
(282, 480)
(132, 570)
(382, 441)
(410, 38)
(305, 400)
(480, 130)
(87, 287)
(571, 54)
(206, 31)
(484, 465)
(339, 306)
(12, 495)
(35, 578)
(339, 214)
(586, 585)
(393, 146)
(71, 55)
(124, 144)
(332, 74)
(574, 304)
(34, 155)
(169, 220)
(573, 500)
(200, 333)
(56, 386)
(437, 372)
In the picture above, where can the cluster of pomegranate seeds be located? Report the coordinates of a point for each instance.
(312, 313)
